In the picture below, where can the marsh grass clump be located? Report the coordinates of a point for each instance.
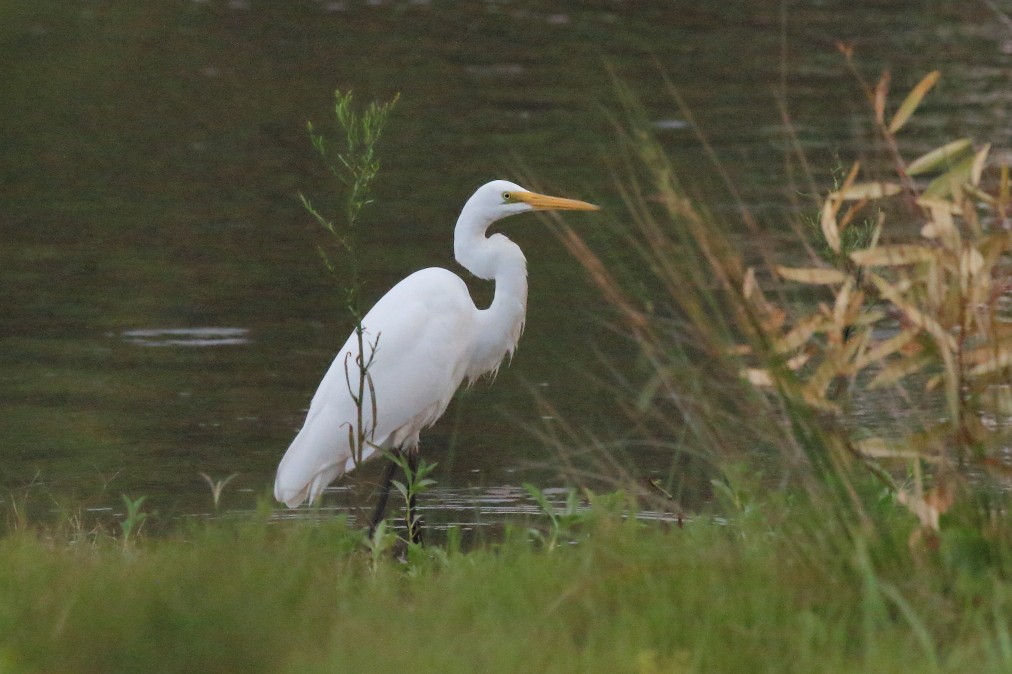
(745, 358)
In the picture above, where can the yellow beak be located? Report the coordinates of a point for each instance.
(542, 202)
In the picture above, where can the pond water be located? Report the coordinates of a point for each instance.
(165, 312)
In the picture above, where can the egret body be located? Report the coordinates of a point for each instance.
(421, 340)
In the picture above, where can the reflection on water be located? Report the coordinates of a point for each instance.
(187, 336)
(471, 509)
(153, 153)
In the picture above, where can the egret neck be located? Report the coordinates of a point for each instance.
(492, 258)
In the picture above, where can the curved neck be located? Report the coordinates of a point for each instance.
(499, 259)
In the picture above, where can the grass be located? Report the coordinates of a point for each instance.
(759, 593)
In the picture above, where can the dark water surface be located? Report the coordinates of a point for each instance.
(164, 311)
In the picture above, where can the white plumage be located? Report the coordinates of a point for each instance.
(428, 337)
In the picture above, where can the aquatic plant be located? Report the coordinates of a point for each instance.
(217, 487)
(134, 518)
(355, 167)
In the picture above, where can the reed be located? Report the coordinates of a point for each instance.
(747, 359)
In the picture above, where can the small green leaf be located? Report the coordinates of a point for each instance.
(913, 100)
(951, 182)
(945, 155)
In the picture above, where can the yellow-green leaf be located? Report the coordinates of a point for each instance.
(828, 222)
(874, 190)
(842, 304)
(979, 194)
(881, 91)
(940, 156)
(893, 255)
(898, 370)
(886, 347)
(830, 230)
(950, 183)
(814, 275)
(970, 264)
(944, 340)
(799, 334)
(941, 224)
(881, 448)
(979, 162)
(834, 364)
(869, 317)
(912, 100)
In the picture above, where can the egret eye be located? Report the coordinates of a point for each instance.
(506, 196)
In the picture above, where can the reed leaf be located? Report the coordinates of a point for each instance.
(930, 325)
(827, 221)
(799, 334)
(885, 348)
(869, 191)
(893, 255)
(950, 183)
(940, 156)
(900, 369)
(913, 99)
(883, 448)
(812, 275)
(979, 162)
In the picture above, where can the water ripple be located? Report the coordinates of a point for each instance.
(187, 336)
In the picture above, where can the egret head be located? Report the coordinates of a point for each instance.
(485, 257)
(501, 198)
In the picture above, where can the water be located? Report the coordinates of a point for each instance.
(164, 310)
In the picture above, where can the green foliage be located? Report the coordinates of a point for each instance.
(133, 520)
(562, 521)
(254, 594)
(355, 166)
(416, 482)
(379, 544)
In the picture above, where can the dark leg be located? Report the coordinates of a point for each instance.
(414, 521)
(381, 504)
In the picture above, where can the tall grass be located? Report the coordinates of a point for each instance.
(263, 596)
(752, 364)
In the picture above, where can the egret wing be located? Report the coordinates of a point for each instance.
(418, 340)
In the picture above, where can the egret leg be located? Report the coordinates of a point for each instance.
(414, 521)
(381, 504)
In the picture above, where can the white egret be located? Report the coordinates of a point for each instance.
(424, 337)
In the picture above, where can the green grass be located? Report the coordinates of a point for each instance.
(762, 593)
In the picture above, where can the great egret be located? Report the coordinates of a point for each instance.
(424, 337)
